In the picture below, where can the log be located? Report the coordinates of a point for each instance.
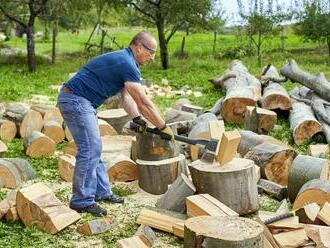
(8, 130)
(318, 150)
(174, 115)
(132, 242)
(120, 168)
(117, 118)
(316, 190)
(160, 219)
(96, 226)
(200, 130)
(259, 120)
(216, 109)
(269, 241)
(54, 130)
(12, 214)
(26, 120)
(303, 123)
(23, 167)
(317, 83)
(206, 178)
(67, 132)
(8, 203)
(178, 229)
(48, 113)
(175, 197)
(146, 234)
(3, 148)
(38, 145)
(204, 231)
(178, 103)
(155, 176)
(228, 147)
(278, 191)
(274, 161)
(66, 165)
(308, 213)
(204, 204)
(296, 238)
(303, 169)
(192, 109)
(106, 128)
(324, 213)
(37, 205)
(71, 148)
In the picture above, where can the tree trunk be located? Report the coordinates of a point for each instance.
(54, 42)
(214, 42)
(283, 38)
(328, 42)
(162, 43)
(31, 57)
(183, 45)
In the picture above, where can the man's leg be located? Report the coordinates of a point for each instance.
(103, 189)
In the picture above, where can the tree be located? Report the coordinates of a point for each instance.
(315, 22)
(25, 12)
(168, 16)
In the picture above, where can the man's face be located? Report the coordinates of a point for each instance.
(147, 51)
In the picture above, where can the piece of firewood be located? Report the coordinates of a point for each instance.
(36, 145)
(105, 128)
(217, 129)
(178, 229)
(303, 169)
(308, 213)
(67, 132)
(96, 226)
(132, 242)
(146, 234)
(37, 205)
(205, 231)
(71, 148)
(8, 130)
(49, 113)
(271, 188)
(66, 165)
(26, 120)
(319, 234)
(228, 147)
(192, 109)
(3, 148)
(268, 237)
(275, 97)
(296, 238)
(318, 150)
(175, 197)
(324, 213)
(120, 168)
(7, 203)
(259, 120)
(12, 214)
(54, 130)
(204, 204)
(117, 118)
(290, 223)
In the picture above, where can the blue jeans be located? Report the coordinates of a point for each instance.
(90, 179)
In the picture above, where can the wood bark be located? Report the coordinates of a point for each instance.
(120, 168)
(178, 103)
(96, 226)
(24, 168)
(117, 118)
(146, 234)
(54, 130)
(273, 189)
(66, 165)
(192, 109)
(37, 145)
(303, 169)
(204, 231)
(8, 130)
(155, 176)
(259, 120)
(206, 178)
(216, 109)
(174, 115)
(175, 197)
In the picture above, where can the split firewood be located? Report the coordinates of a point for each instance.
(37, 205)
(316, 190)
(192, 109)
(26, 120)
(178, 103)
(3, 148)
(146, 234)
(37, 145)
(204, 231)
(324, 213)
(228, 147)
(67, 133)
(278, 191)
(206, 178)
(318, 150)
(12, 214)
(274, 161)
(106, 128)
(217, 129)
(120, 168)
(8, 130)
(49, 113)
(175, 197)
(96, 226)
(205, 204)
(303, 169)
(160, 219)
(287, 224)
(155, 176)
(296, 238)
(178, 229)
(175, 115)
(8, 203)
(259, 120)
(319, 234)
(269, 241)
(66, 165)
(308, 213)
(117, 118)
(54, 130)
(132, 242)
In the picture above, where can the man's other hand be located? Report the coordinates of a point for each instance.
(166, 133)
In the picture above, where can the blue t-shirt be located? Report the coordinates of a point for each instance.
(104, 76)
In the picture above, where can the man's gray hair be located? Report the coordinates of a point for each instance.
(140, 38)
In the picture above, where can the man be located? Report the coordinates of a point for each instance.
(102, 77)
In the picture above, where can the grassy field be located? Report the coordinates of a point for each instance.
(18, 85)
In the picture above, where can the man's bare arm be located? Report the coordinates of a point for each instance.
(128, 104)
(144, 105)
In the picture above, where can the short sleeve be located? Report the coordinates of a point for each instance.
(131, 73)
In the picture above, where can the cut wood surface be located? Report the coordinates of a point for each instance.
(303, 169)
(132, 242)
(37, 205)
(303, 123)
(3, 148)
(117, 118)
(316, 190)
(26, 120)
(106, 128)
(278, 191)
(318, 150)
(205, 204)
(274, 161)
(70, 148)
(175, 197)
(290, 223)
(178, 229)
(8, 130)
(36, 145)
(217, 129)
(324, 213)
(259, 120)
(228, 147)
(275, 97)
(54, 130)
(146, 234)
(49, 113)
(308, 213)
(7, 203)
(269, 241)
(319, 234)
(296, 238)
(12, 214)
(66, 164)
(120, 168)
(96, 226)
(206, 178)
(217, 231)
(23, 167)
(175, 115)
(192, 109)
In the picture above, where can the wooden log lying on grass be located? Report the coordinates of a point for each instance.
(192, 109)
(117, 118)
(204, 231)
(26, 120)
(178, 103)
(37, 205)
(105, 128)
(49, 113)
(7, 203)
(54, 130)
(274, 161)
(37, 145)
(175, 115)
(303, 169)
(8, 130)
(66, 164)
(96, 226)
(120, 168)
(276, 190)
(259, 120)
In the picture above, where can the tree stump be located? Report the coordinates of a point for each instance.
(175, 197)
(274, 161)
(217, 231)
(155, 176)
(117, 118)
(106, 128)
(259, 120)
(49, 113)
(66, 165)
(241, 196)
(38, 145)
(26, 120)
(303, 123)
(54, 130)
(303, 169)
(174, 115)
(8, 130)
(37, 205)
(120, 168)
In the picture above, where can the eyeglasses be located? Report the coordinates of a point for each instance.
(152, 51)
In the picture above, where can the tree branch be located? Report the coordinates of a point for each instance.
(153, 3)
(174, 29)
(42, 5)
(141, 10)
(12, 17)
